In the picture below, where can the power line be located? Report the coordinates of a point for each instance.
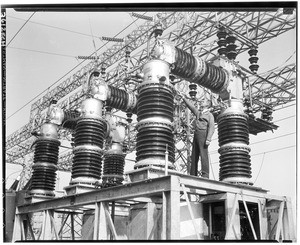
(54, 27)
(20, 29)
(43, 52)
(69, 71)
(282, 119)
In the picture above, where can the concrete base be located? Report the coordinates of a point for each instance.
(79, 188)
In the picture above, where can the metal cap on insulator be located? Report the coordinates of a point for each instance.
(56, 115)
(158, 31)
(91, 108)
(156, 71)
(49, 130)
(115, 148)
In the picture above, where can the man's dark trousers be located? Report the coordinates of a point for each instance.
(200, 149)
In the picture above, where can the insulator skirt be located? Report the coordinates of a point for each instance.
(46, 151)
(235, 160)
(118, 98)
(89, 132)
(155, 101)
(235, 163)
(152, 141)
(113, 169)
(86, 164)
(70, 119)
(233, 129)
(185, 66)
(43, 178)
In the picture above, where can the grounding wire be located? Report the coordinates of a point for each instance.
(64, 75)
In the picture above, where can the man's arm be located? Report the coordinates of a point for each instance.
(210, 127)
(190, 106)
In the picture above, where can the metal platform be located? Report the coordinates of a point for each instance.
(168, 192)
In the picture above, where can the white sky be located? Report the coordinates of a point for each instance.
(29, 73)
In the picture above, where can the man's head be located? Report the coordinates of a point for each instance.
(204, 104)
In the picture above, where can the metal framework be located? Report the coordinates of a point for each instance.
(169, 192)
(191, 31)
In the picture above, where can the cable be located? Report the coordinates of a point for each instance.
(42, 52)
(54, 27)
(20, 29)
(66, 74)
(262, 162)
(284, 118)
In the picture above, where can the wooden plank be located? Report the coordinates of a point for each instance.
(155, 224)
(111, 224)
(17, 229)
(173, 210)
(190, 211)
(249, 219)
(233, 206)
(290, 221)
(53, 225)
(164, 217)
(42, 235)
(279, 224)
(263, 219)
(96, 221)
(103, 232)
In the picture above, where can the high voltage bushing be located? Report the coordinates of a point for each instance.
(121, 99)
(113, 97)
(234, 151)
(113, 167)
(155, 112)
(45, 161)
(155, 100)
(152, 139)
(88, 142)
(70, 119)
(192, 69)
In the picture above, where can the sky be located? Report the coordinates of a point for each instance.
(45, 50)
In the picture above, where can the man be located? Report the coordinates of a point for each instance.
(204, 129)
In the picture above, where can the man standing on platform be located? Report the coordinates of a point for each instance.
(204, 129)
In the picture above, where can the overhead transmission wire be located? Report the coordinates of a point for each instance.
(66, 73)
(43, 52)
(20, 29)
(294, 52)
(54, 27)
